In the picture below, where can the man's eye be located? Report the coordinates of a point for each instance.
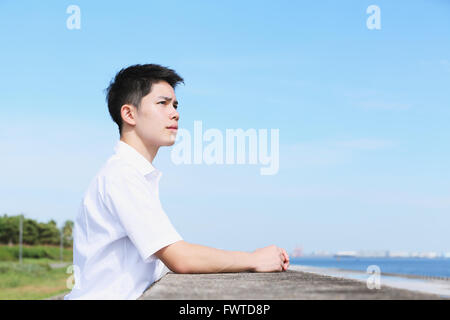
(163, 102)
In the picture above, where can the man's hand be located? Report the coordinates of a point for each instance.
(184, 257)
(270, 259)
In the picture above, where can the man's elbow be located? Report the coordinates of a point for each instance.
(180, 268)
(177, 265)
(174, 257)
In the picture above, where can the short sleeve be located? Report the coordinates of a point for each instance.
(139, 211)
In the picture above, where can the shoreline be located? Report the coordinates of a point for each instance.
(415, 283)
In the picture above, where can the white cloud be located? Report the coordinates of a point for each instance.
(372, 99)
(365, 144)
(383, 105)
(446, 64)
(328, 152)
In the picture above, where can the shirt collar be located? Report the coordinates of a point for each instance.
(130, 154)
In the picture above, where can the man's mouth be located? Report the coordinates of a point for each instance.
(175, 128)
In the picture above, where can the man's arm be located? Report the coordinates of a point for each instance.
(184, 257)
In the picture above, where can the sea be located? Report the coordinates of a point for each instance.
(424, 267)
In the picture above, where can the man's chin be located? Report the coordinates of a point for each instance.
(169, 143)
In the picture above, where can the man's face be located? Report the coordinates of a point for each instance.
(157, 117)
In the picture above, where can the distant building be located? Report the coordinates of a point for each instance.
(321, 253)
(298, 252)
(373, 254)
(399, 254)
(346, 254)
(429, 255)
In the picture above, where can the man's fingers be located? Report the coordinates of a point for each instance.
(284, 258)
(286, 255)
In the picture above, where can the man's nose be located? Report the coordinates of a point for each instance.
(175, 115)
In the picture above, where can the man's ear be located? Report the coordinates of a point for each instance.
(128, 114)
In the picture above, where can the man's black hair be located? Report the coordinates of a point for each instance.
(133, 83)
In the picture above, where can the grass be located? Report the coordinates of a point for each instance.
(34, 279)
(11, 253)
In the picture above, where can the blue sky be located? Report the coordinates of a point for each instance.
(363, 115)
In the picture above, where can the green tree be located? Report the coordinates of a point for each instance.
(34, 232)
(48, 233)
(67, 233)
(30, 232)
(9, 229)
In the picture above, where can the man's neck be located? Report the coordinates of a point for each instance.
(149, 152)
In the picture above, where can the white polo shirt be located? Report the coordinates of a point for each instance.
(120, 225)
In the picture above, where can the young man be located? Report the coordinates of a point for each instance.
(122, 237)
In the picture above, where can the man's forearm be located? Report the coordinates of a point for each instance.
(211, 260)
(194, 258)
